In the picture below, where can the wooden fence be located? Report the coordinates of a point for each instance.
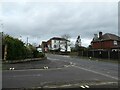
(101, 54)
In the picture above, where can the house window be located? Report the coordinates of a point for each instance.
(115, 42)
(55, 46)
(54, 41)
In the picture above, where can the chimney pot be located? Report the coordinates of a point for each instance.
(100, 35)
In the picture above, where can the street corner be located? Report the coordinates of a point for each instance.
(38, 64)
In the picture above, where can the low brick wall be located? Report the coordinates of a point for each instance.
(24, 60)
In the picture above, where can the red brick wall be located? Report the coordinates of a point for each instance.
(107, 44)
(103, 45)
(49, 43)
(96, 45)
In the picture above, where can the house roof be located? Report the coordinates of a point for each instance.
(44, 42)
(58, 38)
(107, 36)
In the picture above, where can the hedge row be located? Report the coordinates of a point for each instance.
(16, 49)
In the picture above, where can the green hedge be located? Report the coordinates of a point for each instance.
(16, 49)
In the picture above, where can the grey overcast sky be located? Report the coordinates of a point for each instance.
(40, 21)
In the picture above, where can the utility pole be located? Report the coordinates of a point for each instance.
(5, 52)
(5, 45)
(66, 46)
(78, 44)
(1, 45)
(27, 41)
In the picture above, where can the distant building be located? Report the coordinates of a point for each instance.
(105, 41)
(44, 46)
(57, 44)
(39, 48)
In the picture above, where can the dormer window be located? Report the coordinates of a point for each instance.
(115, 42)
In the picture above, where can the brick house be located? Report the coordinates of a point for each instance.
(58, 44)
(44, 46)
(105, 41)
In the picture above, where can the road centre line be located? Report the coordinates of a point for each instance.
(96, 72)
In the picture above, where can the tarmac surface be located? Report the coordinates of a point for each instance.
(40, 64)
(62, 72)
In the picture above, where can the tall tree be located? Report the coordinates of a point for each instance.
(15, 48)
(78, 43)
(66, 36)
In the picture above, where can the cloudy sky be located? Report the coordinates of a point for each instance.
(43, 20)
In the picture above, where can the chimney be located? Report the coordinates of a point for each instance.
(100, 35)
(95, 37)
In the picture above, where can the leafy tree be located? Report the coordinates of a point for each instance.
(15, 48)
(33, 51)
(78, 44)
(66, 36)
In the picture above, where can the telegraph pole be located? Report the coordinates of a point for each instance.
(27, 41)
(5, 45)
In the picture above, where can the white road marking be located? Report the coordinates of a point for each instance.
(66, 56)
(86, 86)
(33, 75)
(103, 83)
(37, 69)
(82, 86)
(66, 85)
(45, 67)
(53, 58)
(96, 72)
(11, 68)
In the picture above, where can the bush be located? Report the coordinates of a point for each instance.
(15, 48)
(41, 55)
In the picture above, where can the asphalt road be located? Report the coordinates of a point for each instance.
(64, 71)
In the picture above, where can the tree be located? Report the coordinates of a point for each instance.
(33, 51)
(15, 48)
(66, 36)
(78, 43)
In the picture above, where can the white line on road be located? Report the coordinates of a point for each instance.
(53, 58)
(33, 75)
(96, 72)
(86, 86)
(82, 86)
(66, 56)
